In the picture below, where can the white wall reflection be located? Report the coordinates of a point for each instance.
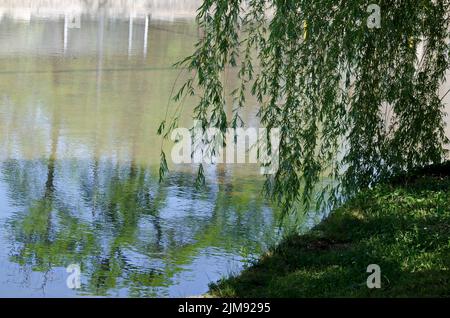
(26, 10)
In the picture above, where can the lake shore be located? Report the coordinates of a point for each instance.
(402, 226)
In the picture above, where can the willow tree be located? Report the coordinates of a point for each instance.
(355, 102)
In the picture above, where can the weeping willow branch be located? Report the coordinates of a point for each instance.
(326, 79)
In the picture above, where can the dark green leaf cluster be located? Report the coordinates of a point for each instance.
(354, 104)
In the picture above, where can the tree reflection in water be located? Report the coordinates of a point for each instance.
(79, 160)
(127, 232)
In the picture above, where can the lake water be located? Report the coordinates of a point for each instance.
(80, 103)
(79, 110)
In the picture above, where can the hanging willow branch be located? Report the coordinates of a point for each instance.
(354, 104)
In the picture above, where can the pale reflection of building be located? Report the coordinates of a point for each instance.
(74, 17)
(161, 9)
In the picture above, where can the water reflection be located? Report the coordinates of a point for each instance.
(25, 10)
(130, 234)
(79, 109)
(79, 160)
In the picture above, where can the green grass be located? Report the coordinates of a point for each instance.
(403, 226)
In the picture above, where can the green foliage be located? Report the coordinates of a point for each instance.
(354, 104)
(403, 228)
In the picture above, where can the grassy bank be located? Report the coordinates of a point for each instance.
(403, 226)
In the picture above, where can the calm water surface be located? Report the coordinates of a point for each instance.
(79, 159)
(79, 109)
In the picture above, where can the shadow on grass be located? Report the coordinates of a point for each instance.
(404, 227)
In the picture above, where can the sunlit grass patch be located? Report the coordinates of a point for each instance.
(403, 226)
